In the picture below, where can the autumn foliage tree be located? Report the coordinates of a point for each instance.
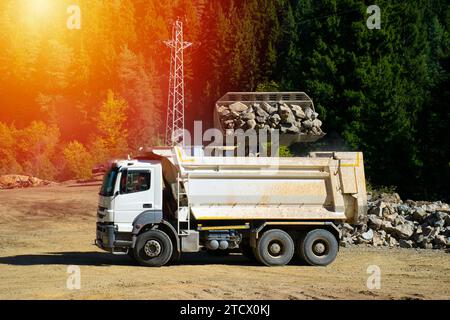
(29, 150)
(110, 139)
(8, 159)
(36, 145)
(78, 160)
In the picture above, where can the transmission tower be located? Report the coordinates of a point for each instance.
(175, 104)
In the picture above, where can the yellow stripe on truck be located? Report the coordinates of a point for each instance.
(224, 227)
(353, 164)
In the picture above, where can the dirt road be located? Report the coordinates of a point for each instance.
(45, 230)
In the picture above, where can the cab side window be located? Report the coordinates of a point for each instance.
(135, 181)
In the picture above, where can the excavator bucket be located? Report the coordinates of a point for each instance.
(292, 113)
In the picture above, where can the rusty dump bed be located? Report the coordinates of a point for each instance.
(323, 186)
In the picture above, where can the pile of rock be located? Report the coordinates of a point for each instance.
(288, 118)
(14, 181)
(410, 224)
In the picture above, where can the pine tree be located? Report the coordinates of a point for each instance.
(144, 100)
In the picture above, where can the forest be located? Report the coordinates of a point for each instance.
(72, 98)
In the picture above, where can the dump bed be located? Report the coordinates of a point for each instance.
(323, 186)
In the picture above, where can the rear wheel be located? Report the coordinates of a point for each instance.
(153, 248)
(275, 248)
(318, 247)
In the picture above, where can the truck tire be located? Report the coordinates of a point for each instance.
(318, 247)
(275, 248)
(153, 248)
(130, 253)
(176, 257)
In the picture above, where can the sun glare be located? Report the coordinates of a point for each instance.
(39, 9)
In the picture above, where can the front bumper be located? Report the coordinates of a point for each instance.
(105, 236)
(109, 239)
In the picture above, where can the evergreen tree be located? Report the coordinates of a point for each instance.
(145, 103)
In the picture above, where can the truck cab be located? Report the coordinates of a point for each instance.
(130, 189)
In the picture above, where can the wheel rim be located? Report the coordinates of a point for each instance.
(320, 248)
(275, 248)
(152, 248)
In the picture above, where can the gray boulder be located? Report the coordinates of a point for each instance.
(447, 220)
(396, 219)
(229, 124)
(426, 231)
(374, 222)
(261, 120)
(238, 107)
(391, 241)
(317, 123)
(446, 231)
(298, 111)
(251, 124)
(377, 240)
(308, 124)
(275, 119)
(223, 111)
(309, 113)
(286, 114)
(418, 238)
(316, 131)
(368, 235)
(419, 214)
(268, 108)
(248, 116)
(402, 231)
(261, 112)
(426, 245)
(347, 227)
(405, 243)
(289, 128)
(441, 241)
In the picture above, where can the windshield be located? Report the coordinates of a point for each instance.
(107, 189)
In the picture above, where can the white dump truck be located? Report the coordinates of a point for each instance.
(167, 202)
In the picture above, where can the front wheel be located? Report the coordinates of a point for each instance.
(318, 247)
(275, 248)
(153, 248)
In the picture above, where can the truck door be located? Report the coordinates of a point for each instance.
(136, 195)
